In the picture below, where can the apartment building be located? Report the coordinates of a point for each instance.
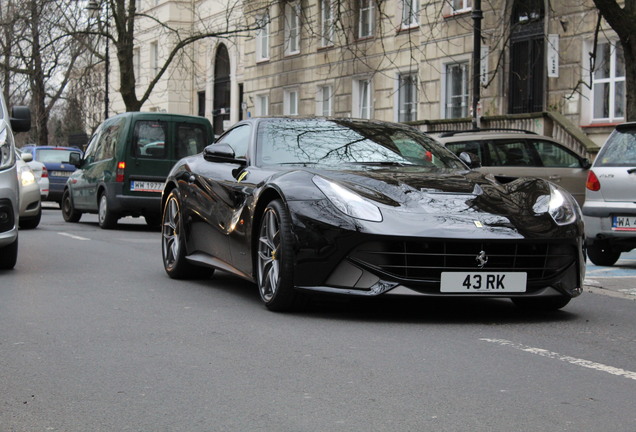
(396, 60)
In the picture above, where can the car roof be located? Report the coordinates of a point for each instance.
(485, 134)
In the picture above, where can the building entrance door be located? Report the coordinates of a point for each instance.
(527, 57)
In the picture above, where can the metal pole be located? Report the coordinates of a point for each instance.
(477, 16)
(107, 61)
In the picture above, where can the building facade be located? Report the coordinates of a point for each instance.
(395, 60)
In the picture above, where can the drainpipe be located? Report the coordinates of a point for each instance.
(477, 16)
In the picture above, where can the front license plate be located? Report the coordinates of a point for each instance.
(624, 223)
(483, 282)
(145, 186)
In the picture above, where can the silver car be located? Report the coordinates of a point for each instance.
(18, 120)
(610, 200)
(30, 198)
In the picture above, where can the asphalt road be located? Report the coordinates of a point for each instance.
(96, 337)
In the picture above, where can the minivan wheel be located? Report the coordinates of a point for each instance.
(602, 256)
(106, 218)
(68, 211)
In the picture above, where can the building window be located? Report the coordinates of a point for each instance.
(261, 107)
(410, 13)
(407, 98)
(326, 23)
(365, 18)
(262, 38)
(362, 99)
(456, 97)
(608, 83)
(154, 57)
(290, 103)
(459, 6)
(324, 101)
(292, 28)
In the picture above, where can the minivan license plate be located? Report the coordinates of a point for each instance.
(624, 223)
(145, 186)
(483, 282)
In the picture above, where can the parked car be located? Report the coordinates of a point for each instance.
(40, 172)
(56, 160)
(30, 198)
(365, 208)
(520, 153)
(610, 203)
(19, 120)
(126, 164)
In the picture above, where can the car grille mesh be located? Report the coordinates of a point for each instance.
(425, 260)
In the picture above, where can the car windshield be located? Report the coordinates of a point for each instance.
(54, 155)
(619, 151)
(339, 142)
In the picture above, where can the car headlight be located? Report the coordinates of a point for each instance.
(26, 176)
(347, 201)
(7, 155)
(559, 204)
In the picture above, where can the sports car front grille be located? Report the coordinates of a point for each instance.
(425, 260)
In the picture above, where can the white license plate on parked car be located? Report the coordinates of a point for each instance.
(61, 173)
(624, 223)
(145, 186)
(483, 282)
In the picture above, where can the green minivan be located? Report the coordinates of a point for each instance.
(126, 164)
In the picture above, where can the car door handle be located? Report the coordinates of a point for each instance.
(554, 177)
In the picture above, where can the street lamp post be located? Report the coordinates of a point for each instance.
(95, 8)
(477, 16)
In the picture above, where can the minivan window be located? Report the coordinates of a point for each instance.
(108, 141)
(149, 139)
(191, 139)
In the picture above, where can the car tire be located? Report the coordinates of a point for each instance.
(9, 256)
(68, 210)
(275, 260)
(541, 304)
(602, 256)
(32, 222)
(106, 218)
(173, 246)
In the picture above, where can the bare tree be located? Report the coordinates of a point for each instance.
(40, 53)
(622, 19)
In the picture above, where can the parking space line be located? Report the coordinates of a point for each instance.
(572, 360)
(73, 236)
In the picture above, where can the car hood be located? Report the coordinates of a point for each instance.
(452, 198)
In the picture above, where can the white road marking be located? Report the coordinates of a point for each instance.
(73, 236)
(573, 360)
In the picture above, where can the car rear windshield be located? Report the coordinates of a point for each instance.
(53, 155)
(338, 142)
(619, 150)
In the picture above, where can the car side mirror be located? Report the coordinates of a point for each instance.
(26, 157)
(220, 153)
(20, 119)
(75, 158)
(470, 159)
(586, 164)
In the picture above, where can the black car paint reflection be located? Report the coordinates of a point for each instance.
(424, 194)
